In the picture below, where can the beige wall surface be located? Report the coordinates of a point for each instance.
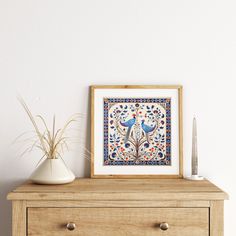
(52, 50)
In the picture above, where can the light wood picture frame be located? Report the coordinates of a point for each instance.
(136, 131)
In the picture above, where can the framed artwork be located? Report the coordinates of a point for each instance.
(136, 131)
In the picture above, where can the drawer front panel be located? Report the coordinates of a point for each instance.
(118, 221)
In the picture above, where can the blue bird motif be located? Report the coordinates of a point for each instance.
(147, 129)
(128, 124)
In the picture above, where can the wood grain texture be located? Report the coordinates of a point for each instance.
(118, 204)
(217, 218)
(179, 88)
(121, 206)
(19, 218)
(180, 104)
(92, 88)
(136, 86)
(121, 189)
(118, 221)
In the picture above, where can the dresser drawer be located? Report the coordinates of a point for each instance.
(118, 221)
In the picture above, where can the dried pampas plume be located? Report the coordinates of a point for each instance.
(51, 142)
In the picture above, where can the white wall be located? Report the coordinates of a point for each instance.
(52, 50)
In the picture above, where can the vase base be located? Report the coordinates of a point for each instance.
(195, 177)
(52, 171)
(56, 182)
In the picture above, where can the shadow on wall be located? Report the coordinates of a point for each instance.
(85, 128)
(87, 138)
(5, 212)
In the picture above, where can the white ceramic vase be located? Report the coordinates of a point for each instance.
(52, 171)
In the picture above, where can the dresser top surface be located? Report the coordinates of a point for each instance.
(123, 185)
(118, 189)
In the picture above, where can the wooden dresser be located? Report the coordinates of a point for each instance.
(119, 207)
